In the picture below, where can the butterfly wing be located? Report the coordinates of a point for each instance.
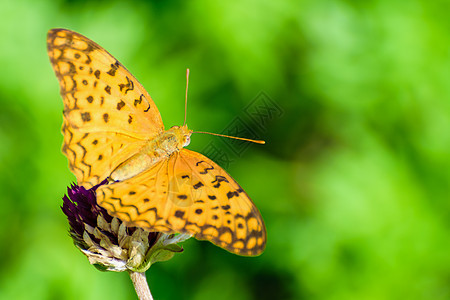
(189, 193)
(108, 115)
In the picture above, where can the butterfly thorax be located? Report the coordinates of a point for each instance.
(153, 151)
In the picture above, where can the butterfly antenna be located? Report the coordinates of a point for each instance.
(233, 137)
(185, 98)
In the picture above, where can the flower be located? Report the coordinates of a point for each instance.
(109, 243)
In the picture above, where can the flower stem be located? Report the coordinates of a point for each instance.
(140, 285)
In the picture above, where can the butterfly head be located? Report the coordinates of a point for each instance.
(182, 135)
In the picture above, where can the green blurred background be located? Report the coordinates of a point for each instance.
(353, 182)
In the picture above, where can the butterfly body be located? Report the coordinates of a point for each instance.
(156, 149)
(113, 130)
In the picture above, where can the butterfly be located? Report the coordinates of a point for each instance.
(113, 130)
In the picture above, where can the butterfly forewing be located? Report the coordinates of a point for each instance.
(189, 193)
(107, 113)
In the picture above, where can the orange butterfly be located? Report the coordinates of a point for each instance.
(113, 130)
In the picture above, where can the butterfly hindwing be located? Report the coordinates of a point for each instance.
(107, 112)
(224, 212)
(189, 193)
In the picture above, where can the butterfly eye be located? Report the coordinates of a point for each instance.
(187, 140)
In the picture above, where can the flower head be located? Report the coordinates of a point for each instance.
(109, 243)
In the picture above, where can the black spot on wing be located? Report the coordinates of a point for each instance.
(114, 67)
(205, 171)
(129, 86)
(197, 185)
(218, 180)
(179, 214)
(232, 194)
(199, 162)
(86, 117)
(120, 105)
(137, 101)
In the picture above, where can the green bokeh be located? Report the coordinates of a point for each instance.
(353, 182)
